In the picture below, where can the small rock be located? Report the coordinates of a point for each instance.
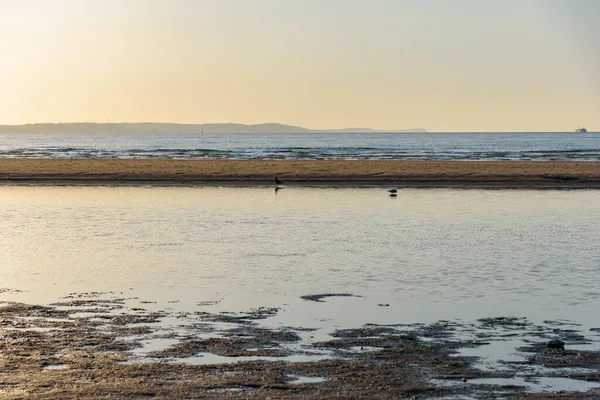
(556, 344)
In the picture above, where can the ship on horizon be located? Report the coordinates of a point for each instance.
(581, 130)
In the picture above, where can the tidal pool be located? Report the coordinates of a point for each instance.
(425, 255)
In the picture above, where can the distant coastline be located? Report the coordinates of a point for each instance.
(166, 128)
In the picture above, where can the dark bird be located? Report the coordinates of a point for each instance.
(393, 191)
(278, 182)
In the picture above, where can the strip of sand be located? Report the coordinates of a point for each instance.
(517, 174)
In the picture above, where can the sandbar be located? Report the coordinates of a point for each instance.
(401, 173)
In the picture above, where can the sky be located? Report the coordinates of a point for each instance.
(442, 65)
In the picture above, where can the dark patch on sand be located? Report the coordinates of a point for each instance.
(8, 290)
(320, 297)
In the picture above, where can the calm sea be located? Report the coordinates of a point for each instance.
(340, 146)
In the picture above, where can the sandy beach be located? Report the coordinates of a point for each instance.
(505, 174)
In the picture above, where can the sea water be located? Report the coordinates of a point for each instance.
(427, 254)
(333, 146)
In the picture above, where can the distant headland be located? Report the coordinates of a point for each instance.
(166, 128)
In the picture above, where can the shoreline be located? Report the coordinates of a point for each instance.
(79, 347)
(306, 173)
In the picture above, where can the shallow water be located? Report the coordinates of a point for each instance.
(537, 385)
(422, 256)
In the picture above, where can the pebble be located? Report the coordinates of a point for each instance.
(556, 344)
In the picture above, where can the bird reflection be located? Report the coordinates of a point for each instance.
(278, 184)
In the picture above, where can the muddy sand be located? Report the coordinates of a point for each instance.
(509, 174)
(88, 347)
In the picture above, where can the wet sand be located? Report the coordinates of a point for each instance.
(504, 174)
(83, 347)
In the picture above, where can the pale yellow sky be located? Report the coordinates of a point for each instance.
(460, 65)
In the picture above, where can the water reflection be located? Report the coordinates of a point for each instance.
(429, 254)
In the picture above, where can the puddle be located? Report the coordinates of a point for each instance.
(529, 384)
(299, 379)
(83, 314)
(153, 344)
(209, 358)
(364, 348)
(492, 356)
(55, 367)
(545, 384)
(595, 346)
(232, 389)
